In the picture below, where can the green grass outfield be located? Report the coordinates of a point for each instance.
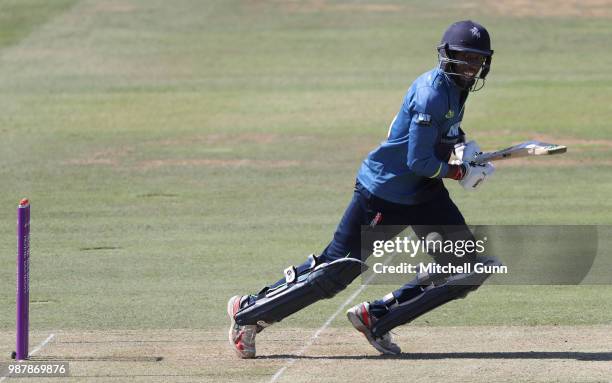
(177, 153)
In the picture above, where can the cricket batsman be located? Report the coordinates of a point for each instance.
(400, 184)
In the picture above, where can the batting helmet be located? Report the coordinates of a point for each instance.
(470, 37)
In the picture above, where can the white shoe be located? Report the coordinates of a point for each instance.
(242, 338)
(362, 320)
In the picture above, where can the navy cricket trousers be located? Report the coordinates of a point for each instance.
(365, 207)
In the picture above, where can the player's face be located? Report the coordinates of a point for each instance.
(473, 63)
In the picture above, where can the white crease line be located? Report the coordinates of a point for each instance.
(38, 348)
(301, 351)
(43, 344)
(280, 372)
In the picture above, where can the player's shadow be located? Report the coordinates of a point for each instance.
(575, 355)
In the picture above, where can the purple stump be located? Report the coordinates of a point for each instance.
(23, 278)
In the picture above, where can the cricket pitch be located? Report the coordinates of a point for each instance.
(432, 354)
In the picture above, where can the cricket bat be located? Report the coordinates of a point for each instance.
(524, 149)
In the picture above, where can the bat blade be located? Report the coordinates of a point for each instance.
(524, 149)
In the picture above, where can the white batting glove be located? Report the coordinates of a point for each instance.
(475, 175)
(467, 151)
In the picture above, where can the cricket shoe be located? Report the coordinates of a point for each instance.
(363, 321)
(242, 338)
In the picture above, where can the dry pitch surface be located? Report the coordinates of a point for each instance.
(431, 354)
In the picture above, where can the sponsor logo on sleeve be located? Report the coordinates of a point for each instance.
(424, 119)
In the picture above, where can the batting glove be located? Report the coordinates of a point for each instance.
(467, 151)
(475, 174)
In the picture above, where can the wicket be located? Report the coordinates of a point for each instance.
(23, 279)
